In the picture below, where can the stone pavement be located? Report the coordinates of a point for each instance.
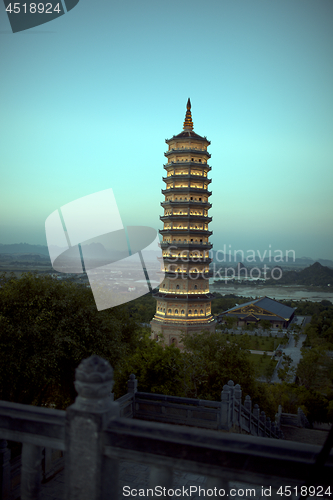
(135, 476)
(294, 352)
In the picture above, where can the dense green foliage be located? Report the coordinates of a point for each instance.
(200, 371)
(316, 406)
(46, 328)
(320, 330)
(143, 308)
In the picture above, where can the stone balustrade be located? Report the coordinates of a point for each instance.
(95, 437)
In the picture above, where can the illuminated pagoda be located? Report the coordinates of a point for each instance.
(183, 300)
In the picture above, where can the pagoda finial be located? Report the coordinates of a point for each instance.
(188, 124)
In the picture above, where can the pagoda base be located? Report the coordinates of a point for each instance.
(171, 333)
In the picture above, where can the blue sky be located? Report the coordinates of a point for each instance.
(88, 99)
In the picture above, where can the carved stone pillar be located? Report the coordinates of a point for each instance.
(238, 404)
(31, 472)
(89, 474)
(132, 384)
(227, 406)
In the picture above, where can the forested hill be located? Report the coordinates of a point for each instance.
(312, 275)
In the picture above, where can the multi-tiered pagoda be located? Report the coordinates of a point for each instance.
(183, 299)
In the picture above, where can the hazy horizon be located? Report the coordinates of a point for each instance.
(234, 254)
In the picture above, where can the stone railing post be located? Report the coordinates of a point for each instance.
(263, 421)
(89, 474)
(268, 427)
(132, 384)
(132, 388)
(248, 406)
(31, 471)
(278, 418)
(256, 414)
(299, 418)
(226, 415)
(4, 470)
(238, 404)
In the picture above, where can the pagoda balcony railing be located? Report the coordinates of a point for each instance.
(180, 190)
(192, 177)
(187, 164)
(189, 218)
(188, 297)
(188, 150)
(207, 204)
(96, 433)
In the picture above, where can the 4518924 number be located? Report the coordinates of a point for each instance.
(33, 8)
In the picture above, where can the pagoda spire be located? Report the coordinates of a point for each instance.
(188, 124)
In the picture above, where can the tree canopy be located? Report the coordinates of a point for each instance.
(46, 328)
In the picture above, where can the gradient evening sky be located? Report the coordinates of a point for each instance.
(88, 99)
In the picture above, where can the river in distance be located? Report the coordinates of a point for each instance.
(273, 292)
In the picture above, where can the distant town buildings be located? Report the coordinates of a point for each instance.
(183, 300)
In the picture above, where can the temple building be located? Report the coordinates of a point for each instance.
(264, 308)
(183, 300)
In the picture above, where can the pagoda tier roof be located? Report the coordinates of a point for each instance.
(178, 231)
(188, 218)
(206, 204)
(185, 297)
(188, 134)
(186, 190)
(192, 177)
(194, 245)
(186, 260)
(199, 152)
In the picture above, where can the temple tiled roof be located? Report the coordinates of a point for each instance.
(270, 305)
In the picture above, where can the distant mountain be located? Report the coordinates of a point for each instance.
(224, 259)
(94, 250)
(24, 248)
(316, 274)
(326, 262)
